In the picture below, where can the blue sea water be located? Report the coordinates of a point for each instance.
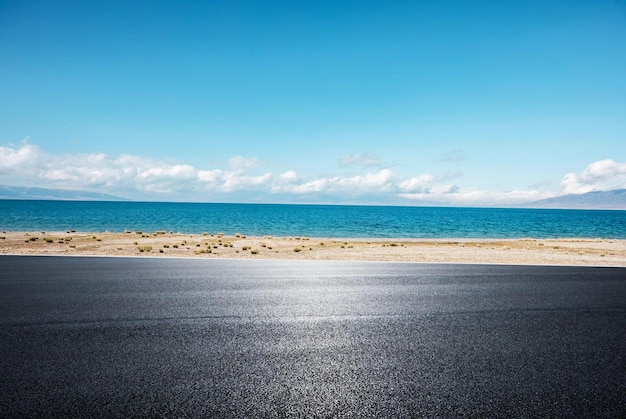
(310, 220)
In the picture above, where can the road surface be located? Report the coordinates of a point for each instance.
(119, 337)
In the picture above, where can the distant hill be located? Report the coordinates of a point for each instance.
(16, 192)
(591, 200)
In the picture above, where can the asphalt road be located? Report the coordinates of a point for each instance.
(225, 338)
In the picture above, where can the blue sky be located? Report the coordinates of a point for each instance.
(448, 102)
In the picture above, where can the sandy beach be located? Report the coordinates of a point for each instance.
(588, 252)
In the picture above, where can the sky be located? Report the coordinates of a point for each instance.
(343, 102)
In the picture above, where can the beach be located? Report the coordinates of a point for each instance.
(525, 251)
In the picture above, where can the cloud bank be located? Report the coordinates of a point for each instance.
(602, 175)
(245, 178)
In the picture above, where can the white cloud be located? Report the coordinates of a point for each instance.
(28, 165)
(308, 187)
(379, 182)
(285, 182)
(209, 176)
(456, 196)
(289, 176)
(233, 181)
(139, 177)
(421, 183)
(20, 159)
(177, 171)
(601, 175)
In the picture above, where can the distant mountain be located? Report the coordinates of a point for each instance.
(591, 200)
(16, 192)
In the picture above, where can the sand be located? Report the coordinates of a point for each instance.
(588, 252)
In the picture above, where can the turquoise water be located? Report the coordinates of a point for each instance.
(310, 220)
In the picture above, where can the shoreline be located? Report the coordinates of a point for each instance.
(523, 251)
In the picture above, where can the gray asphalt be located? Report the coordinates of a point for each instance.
(113, 337)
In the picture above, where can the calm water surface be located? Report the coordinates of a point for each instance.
(310, 220)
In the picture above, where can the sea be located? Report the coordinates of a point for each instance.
(341, 221)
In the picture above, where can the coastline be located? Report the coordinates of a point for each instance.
(524, 251)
